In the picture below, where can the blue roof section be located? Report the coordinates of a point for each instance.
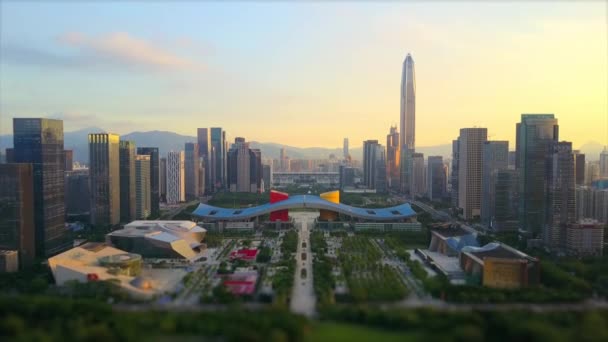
(304, 201)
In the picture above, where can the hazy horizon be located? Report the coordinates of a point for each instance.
(305, 74)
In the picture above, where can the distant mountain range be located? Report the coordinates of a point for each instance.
(170, 141)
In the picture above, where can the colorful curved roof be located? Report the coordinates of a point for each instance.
(304, 201)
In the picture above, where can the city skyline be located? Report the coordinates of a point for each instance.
(166, 78)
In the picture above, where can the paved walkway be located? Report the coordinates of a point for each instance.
(303, 298)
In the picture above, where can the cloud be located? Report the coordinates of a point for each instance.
(124, 48)
(113, 50)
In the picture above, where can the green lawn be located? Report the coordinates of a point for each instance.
(338, 332)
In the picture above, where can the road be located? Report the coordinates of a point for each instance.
(443, 216)
(177, 210)
(303, 297)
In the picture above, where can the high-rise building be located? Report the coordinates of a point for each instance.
(585, 202)
(374, 165)
(418, 187)
(585, 238)
(201, 177)
(77, 193)
(69, 160)
(470, 157)
(604, 163)
(495, 157)
(203, 152)
(244, 167)
(154, 178)
(127, 180)
(218, 158)
(10, 155)
(143, 192)
(17, 229)
(592, 172)
(104, 175)
(506, 201)
(407, 129)
(562, 209)
(192, 165)
(392, 158)
(345, 152)
(436, 178)
(267, 176)
(536, 133)
(579, 167)
(512, 158)
(163, 179)
(40, 142)
(454, 173)
(176, 177)
(347, 177)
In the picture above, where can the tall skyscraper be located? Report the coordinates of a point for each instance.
(104, 175)
(407, 129)
(218, 158)
(143, 193)
(69, 160)
(163, 179)
(203, 152)
(154, 178)
(345, 152)
(192, 171)
(244, 167)
(374, 165)
(392, 158)
(436, 178)
(127, 181)
(40, 143)
(17, 229)
(454, 173)
(77, 193)
(604, 163)
(418, 175)
(506, 200)
(536, 133)
(176, 177)
(469, 170)
(201, 177)
(562, 209)
(495, 158)
(284, 160)
(267, 176)
(579, 167)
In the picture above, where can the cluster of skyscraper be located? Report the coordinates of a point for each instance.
(533, 189)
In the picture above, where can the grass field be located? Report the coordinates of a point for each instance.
(338, 332)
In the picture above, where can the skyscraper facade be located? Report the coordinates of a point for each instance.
(143, 193)
(104, 175)
(562, 196)
(40, 143)
(176, 177)
(127, 180)
(407, 129)
(192, 165)
(454, 173)
(69, 160)
(163, 179)
(506, 201)
(154, 178)
(392, 158)
(203, 152)
(418, 187)
(436, 178)
(536, 134)
(495, 157)
(470, 157)
(374, 165)
(17, 229)
(218, 158)
(604, 163)
(77, 193)
(244, 167)
(579, 167)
